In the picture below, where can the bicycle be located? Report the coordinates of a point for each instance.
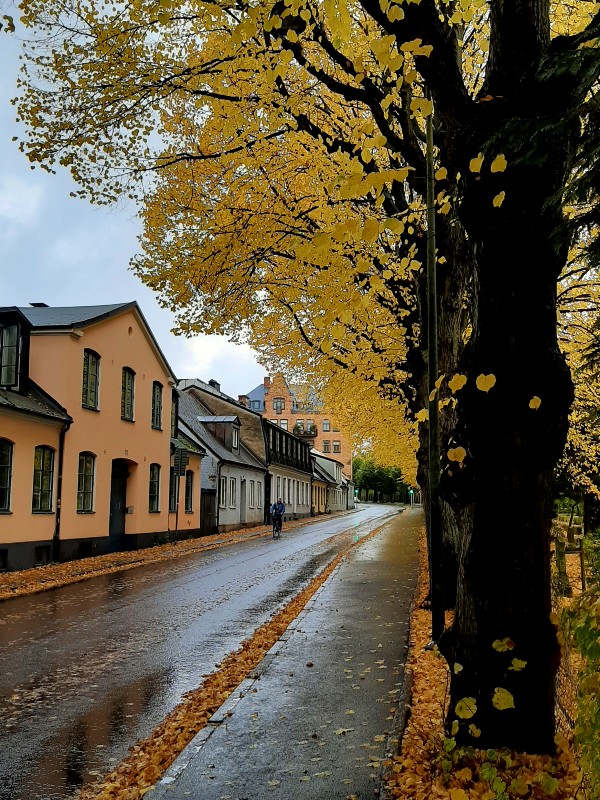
(277, 526)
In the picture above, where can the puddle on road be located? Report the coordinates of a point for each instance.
(91, 745)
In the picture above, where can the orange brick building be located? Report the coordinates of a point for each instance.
(300, 410)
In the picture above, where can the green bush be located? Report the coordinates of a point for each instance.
(582, 622)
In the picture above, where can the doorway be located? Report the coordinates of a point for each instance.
(118, 504)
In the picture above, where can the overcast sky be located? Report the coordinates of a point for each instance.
(58, 250)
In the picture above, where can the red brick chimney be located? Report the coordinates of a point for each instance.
(244, 400)
(267, 382)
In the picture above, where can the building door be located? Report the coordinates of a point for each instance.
(208, 512)
(118, 504)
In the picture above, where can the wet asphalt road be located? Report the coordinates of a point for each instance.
(88, 669)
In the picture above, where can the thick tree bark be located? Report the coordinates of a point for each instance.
(502, 647)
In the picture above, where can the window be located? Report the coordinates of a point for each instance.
(6, 455)
(326, 446)
(235, 438)
(274, 421)
(259, 500)
(91, 376)
(85, 482)
(174, 415)
(154, 489)
(300, 424)
(222, 492)
(157, 405)
(278, 404)
(9, 356)
(127, 382)
(189, 491)
(252, 494)
(289, 492)
(256, 405)
(173, 489)
(337, 448)
(232, 492)
(278, 488)
(283, 424)
(326, 427)
(43, 478)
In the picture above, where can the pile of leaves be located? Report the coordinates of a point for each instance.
(149, 759)
(430, 764)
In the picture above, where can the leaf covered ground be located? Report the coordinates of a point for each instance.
(430, 766)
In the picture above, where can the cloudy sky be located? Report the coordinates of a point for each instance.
(58, 250)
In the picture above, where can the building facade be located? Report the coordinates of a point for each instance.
(234, 478)
(299, 410)
(101, 482)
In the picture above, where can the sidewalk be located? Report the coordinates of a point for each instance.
(318, 715)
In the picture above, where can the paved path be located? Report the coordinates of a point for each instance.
(312, 723)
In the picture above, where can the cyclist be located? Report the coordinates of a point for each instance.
(277, 512)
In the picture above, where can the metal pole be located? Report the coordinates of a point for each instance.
(435, 520)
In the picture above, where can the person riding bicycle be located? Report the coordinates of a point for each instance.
(277, 512)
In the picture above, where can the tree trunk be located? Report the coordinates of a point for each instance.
(502, 648)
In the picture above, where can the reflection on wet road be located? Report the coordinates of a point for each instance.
(88, 669)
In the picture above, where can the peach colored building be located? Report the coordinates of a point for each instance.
(300, 410)
(91, 471)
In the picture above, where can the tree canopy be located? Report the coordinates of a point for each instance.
(279, 149)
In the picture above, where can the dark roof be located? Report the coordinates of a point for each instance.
(67, 317)
(35, 401)
(190, 408)
(71, 316)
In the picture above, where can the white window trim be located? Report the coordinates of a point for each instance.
(232, 492)
(223, 492)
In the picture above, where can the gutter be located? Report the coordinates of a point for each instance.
(61, 454)
(218, 491)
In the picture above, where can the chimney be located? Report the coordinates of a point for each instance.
(244, 400)
(267, 382)
(212, 382)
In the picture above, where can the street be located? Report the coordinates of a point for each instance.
(88, 669)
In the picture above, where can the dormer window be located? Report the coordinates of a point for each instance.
(10, 341)
(235, 438)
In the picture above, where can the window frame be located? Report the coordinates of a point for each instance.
(278, 405)
(90, 385)
(127, 403)
(336, 446)
(157, 405)
(283, 424)
(189, 491)
(223, 491)
(86, 480)
(235, 438)
(252, 502)
(326, 445)
(232, 492)
(326, 426)
(6, 474)
(43, 475)
(14, 363)
(154, 482)
(173, 490)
